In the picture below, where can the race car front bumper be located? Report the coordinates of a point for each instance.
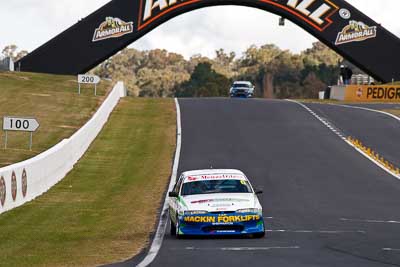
(221, 224)
(240, 94)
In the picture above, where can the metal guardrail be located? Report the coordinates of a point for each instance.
(362, 79)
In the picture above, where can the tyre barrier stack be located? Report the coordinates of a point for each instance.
(25, 181)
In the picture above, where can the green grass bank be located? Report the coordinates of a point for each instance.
(53, 100)
(105, 209)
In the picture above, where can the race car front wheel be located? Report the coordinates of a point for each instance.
(259, 235)
(177, 235)
(172, 228)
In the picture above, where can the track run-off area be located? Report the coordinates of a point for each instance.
(324, 203)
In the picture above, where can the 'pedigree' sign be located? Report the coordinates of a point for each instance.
(370, 93)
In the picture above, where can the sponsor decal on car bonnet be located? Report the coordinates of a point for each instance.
(202, 201)
(192, 178)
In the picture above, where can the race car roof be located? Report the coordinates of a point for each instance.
(213, 174)
(245, 82)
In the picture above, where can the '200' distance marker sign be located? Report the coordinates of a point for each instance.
(20, 124)
(88, 79)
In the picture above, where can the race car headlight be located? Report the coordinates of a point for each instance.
(249, 211)
(195, 212)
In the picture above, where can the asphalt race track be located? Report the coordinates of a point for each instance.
(375, 130)
(324, 203)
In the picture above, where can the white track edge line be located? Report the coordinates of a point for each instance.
(241, 248)
(391, 249)
(362, 152)
(345, 140)
(368, 109)
(162, 225)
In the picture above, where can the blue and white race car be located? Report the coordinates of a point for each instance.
(215, 202)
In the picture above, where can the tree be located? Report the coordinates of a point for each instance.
(321, 54)
(204, 82)
(223, 63)
(12, 52)
(312, 86)
(275, 72)
(20, 55)
(9, 51)
(152, 73)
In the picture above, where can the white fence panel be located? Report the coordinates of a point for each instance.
(25, 181)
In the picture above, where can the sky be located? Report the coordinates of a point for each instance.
(198, 32)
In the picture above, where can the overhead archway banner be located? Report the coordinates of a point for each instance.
(119, 23)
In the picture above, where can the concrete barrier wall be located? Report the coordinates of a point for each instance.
(25, 181)
(338, 92)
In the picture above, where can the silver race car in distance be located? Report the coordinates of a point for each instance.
(242, 89)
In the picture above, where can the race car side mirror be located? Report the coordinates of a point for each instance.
(259, 191)
(173, 194)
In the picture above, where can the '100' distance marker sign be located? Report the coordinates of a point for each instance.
(20, 124)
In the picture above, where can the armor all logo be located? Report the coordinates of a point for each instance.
(356, 31)
(112, 28)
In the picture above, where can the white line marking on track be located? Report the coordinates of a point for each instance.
(369, 221)
(359, 150)
(242, 248)
(368, 109)
(391, 249)
(162, 225)
(345, 139)
(316, 231)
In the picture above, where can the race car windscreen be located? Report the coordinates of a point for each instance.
(241, 85)
(216, 186)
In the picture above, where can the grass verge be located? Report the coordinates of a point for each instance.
(333, 101)
(105, 209)
(339, 102)
(395, 112)
(53, 100)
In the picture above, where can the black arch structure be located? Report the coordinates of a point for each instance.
(365, 43)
